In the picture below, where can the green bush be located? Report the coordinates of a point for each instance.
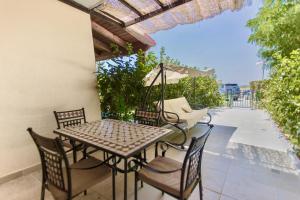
(259, 91)
(120, 82)
(276, 30)
(202, 91)
(121, 86)
(282, 94)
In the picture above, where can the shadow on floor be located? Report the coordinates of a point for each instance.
(260, 155)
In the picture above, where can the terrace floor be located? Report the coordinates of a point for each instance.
(246, 158)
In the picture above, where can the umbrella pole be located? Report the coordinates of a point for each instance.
(194, 90)
(149, 91)
(162, 88)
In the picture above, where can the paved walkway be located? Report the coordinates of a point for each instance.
(255, 158)
(246, 158)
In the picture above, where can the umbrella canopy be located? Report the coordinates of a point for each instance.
(172, 76)
(192, 72)
(174, 73)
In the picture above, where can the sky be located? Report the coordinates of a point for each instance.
(220, 43)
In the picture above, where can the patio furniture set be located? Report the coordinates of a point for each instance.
(123, 145)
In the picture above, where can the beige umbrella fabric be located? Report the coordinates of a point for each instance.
(192, 72)
(174, 73)
(172, 76)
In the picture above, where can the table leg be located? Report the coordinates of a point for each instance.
(125, 179)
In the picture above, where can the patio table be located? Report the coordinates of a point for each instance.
(119, 138)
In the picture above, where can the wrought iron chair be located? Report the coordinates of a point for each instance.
(63, 180)
(149, 118)
(172, 177)
(70, 118)
(110, 115)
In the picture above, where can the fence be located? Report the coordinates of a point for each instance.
(244, 99)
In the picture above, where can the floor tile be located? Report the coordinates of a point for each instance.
(231, 169)
(224, 197)
(213, 179)
(286, 195)
(247, 189)
(218, 162)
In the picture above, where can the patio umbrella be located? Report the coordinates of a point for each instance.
(173, 73)
(171, 76)
(193, 73)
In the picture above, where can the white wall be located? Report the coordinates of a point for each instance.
(46, 63)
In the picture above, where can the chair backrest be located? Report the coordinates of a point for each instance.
(191, 173)
(69, 118)
(54, 162)
(146, 117)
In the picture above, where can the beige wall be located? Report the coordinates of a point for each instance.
(46, 63)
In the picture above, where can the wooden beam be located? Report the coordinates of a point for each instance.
(76, 5)
(96, 5)
(103, 56)
(101, 45)
(159, 3)
(157, 12)
(108, 17)
(128, 5)
(109, 35)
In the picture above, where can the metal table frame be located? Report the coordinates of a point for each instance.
(127, 168)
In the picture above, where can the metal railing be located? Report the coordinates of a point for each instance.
(244, 99)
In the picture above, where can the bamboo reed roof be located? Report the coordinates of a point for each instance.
(132, 21)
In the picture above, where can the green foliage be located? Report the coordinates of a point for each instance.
(276, 28)
(120, 81)
(162, 54)
(259, 89)
(121, 85)
(203, 91)
(282, 93)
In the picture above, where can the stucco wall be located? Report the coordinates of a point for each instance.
(46, 63)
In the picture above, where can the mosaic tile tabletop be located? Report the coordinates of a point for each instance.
(122, 138)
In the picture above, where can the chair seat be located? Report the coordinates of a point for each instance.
(83, 178)
(168, 182)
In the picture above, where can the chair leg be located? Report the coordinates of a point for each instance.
(104, 155)
(85, 193)
(145, 155)
(135, 186)
(200, 190)
(141, 160)
(74, 151)
(114, 184)
(84, 152)
(43, 192)
(156, 150)
(74, 156)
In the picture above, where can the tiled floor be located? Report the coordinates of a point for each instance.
(246, 158)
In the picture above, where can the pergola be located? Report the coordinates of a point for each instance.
(130, 21)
